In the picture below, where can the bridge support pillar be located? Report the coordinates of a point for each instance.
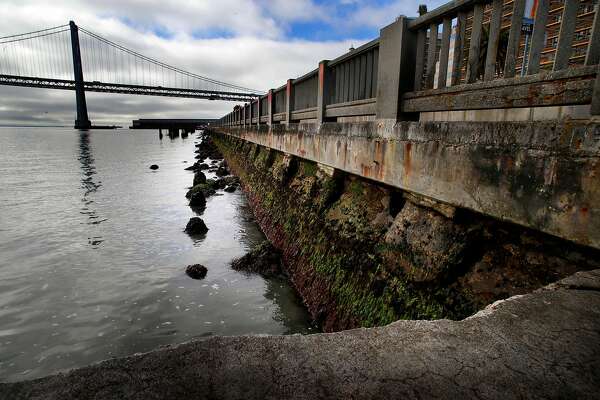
(82, 121)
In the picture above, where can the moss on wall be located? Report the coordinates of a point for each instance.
(361, 255)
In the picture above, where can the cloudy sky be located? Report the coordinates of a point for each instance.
(252, 43)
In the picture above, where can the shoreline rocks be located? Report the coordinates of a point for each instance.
(196, 226)
(197, 200)
(196, 271)
(264, 259)
(199, 178)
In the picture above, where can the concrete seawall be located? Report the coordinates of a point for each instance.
(542, 175)
(542, 345)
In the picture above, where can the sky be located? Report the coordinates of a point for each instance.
(252, 43)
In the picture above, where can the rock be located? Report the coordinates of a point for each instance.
(263, 259)
(424, 243)
(199, 178)
(192, 167)
(196, 271)
(223, 182)
(154, 167)
(222, 171)
(197, 200)
(230, 188)
(203, 166)
(208, 188)
(196, 226)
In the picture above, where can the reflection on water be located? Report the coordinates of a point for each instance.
(88, 185)
(93, 253)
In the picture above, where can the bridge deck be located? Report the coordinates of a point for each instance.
(96, 86)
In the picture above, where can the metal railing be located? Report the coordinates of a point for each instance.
(464, 55)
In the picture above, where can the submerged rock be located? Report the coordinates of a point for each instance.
(197, 200)
(264, 259)
(199, 178)
(154, 167)
(196, 271)
(196, 226)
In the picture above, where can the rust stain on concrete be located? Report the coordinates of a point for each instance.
(407, 156)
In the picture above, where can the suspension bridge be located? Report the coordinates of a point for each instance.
(61, 58)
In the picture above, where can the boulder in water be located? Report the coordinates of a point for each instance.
(264, 259)
(222, 171)
(196, 226)
(197, 200)
(199, 178)
(196, 271)
(154, 167)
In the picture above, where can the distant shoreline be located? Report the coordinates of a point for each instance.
(34, 126)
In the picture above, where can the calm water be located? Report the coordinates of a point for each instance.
(93, 253)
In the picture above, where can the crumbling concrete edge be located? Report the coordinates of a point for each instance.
(545, 344)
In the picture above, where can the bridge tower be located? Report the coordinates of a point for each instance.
(82, 121)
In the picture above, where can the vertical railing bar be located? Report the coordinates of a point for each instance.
(369, 75)
(433, 33)
(595, 107)
(375, 71)
(474, 47)
(514, 38)
(363, 77)
(459, 45)
(493, 40)
(565, 37)
(444, 52)
(592, 55)
(538, 37)
(420, 58)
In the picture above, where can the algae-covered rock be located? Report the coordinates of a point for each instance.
(207, 188)
(264, 259)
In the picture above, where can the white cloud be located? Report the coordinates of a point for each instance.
(251, 49)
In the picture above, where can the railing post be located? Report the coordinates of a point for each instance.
(396, 69)
(289, 96)
(324, 90)
(82, 121)
(270, 107)
(258, 111)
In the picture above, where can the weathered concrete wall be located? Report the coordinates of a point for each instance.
(361, 253)
(544, 345)
(543, 175)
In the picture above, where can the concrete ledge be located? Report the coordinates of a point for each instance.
(543, 175)
(542, 345)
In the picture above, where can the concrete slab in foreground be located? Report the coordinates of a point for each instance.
(541, 345)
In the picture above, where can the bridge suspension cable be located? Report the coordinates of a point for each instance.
(44, 56)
